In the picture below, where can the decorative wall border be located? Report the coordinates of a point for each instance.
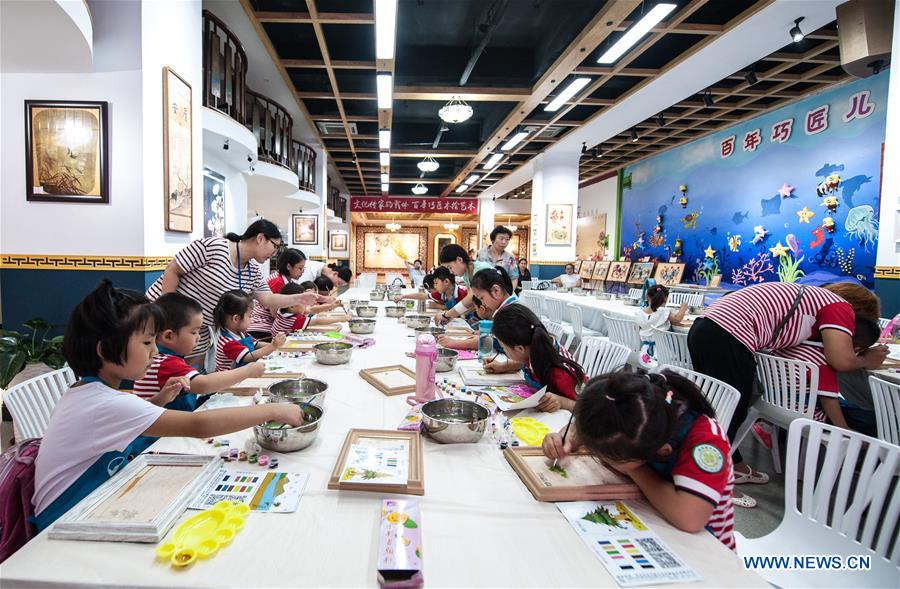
(77, 262)
(361, 232)
(887, 272)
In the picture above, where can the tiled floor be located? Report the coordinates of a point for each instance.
(769, 509)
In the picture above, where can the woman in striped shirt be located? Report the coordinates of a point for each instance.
(210, 267)
(723, 343)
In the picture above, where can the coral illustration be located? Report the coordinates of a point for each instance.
(845, 261)
(752, 272)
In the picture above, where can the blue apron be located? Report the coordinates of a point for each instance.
(185, 401)
(509, 301)
(246, 341)
(98, 473)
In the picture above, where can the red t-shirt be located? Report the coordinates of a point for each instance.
(276, 282)
(162, 368)
(230, 352)
(559, 380)
(289, 322)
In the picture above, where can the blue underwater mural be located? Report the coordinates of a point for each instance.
(783, 195)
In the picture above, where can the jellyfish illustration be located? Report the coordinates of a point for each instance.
(861, 224)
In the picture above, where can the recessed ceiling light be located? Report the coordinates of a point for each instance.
(384, 86)
(472, 179)
(384, 188)
(514, 140)
(493, 161)
(384, 158)
(634, 34)
(385, 178)
(462, 188)
(385, 28)
(568, 92)
(384, 139)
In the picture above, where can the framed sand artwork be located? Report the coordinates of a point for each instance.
(559, 224)
(640, 271)
(577, 264)
(305, 229)
(601, 269)
(587, 269)
(390, 380)
(178, 175)
(669, 274)
(381, 461)
(618, 271)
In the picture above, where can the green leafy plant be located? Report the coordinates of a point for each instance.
(18, 349)
(789, 268)
(710, 269)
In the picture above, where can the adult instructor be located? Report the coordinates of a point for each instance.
(495, 254)
(207, 268)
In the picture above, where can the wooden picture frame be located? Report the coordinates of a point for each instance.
(669, 274)
(178, 153)
(49, 144)
(618, 271)
(304, 229)
(376, 378)
(338, 242)
(587, 269)
(415, 481)
(109, 513)
(366, 236)
(577, 264)
(605, 483)
(601, 269)
(640, 271)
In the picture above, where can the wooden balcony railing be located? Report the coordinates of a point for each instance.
(272, 126)
(304, 165)
(224, 68)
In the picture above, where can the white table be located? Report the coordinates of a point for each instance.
(481, 526)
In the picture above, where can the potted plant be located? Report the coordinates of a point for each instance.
(18, 350)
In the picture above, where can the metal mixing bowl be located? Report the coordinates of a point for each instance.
(416, 321)
(366, 311)
(603, 296)
(454, 421)
(298, 390)
(376, 295)
(435, 331)
(357, 303)
(283, 438)
(630, 302)
(446, 360)
(333, 352)
(359, 325)
(395, 311)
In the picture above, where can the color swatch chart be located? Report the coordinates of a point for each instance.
(263, 491)
(629, 550)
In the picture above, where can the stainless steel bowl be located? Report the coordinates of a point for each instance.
(435, 331)
(284, 438)
(454, 421)
(332, 353)
(603, 296)
(563, 289)
(395, 310)
(357, 303)
(446, 360)
(366, 311)
(376, 295)
(360, 325)
(630, 302)
(416, 321)
(298, 390)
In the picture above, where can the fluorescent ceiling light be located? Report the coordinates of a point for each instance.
(568, 92)
(472, 179)
(385, 158)
(462, 188)
(384, 139)
(493, 161)
(385, 178)
(384, 85)
(514, 140)
(634, 34)
(384, 188)
(385, 28)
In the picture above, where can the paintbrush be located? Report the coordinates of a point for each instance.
(565, 433)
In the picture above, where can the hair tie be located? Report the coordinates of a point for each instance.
(610, 398)
(669, 396)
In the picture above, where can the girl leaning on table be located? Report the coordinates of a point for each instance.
(542, 360)
(492, 289)
(95, 429)
(659, 430)
(655, 315)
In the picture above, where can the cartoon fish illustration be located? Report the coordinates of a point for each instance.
(739, 217)
(714, 230)
(828, 185)
(734, 243)
(759, 234)
(819, 236)
(690, 220)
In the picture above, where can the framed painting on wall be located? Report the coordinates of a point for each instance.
(587, 269)
(213, 204)
(66, 151)
(178, 164)
(440, 240)
(640, 271)
(306, 229)
(600, 271)
(338, 244)
(618, 271)
(559, 224)
(669, 274)
(577, 264)
(381, 250)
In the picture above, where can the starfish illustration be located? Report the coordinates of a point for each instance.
(709, 251)
(779, 250)
(785, 190)
(805, 215)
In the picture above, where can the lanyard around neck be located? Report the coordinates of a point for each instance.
(237, 247)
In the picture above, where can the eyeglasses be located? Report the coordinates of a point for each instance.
(279, 245)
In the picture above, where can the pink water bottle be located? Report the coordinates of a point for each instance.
(426, 358)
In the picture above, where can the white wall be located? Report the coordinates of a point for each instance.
(597, 199)
(555, 182)
(235, 193)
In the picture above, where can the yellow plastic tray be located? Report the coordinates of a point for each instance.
(203, 534)
(529, 430)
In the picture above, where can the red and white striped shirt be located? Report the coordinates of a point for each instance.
(290, 322)
(260, 318)
(752, 314)
(703, 468)
(162, 368)
(230, 351)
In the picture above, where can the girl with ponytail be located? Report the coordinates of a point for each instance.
(661, 431)
(543, 362)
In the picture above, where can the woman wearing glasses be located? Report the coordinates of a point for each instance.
(207, 268)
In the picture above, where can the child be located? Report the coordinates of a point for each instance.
(324, 285)
(179, 331)
(234, 347)
(442, 289)
(296, 318)
(543, 361)
(655, 315)
(94, 429)
(661, 431)
(310, 286)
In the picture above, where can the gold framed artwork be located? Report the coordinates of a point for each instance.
(380, 461)
(381, 250)
(590, 236)
(178, 164)
(305, 229)
(587, 269)
(338, 244)
(618, 271)
(601, 269)
(559, 224)
(390, 380)
(440, 240)
(640, 271)
(669, 274)
(580, 477)
(66, 151)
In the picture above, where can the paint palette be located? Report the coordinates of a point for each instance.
(202, 535)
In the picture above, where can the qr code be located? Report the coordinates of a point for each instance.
(214, 498)
(659, 553)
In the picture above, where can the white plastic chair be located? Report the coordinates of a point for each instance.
(599, 356)
(886, 398)
(882, 322)
(847, 503)
(789, 389)
(624, 331)
(526, 284)
(672, 348)
(576, 316)
(31, 402)
(692, 299)
(558, 332)
(554, 309)
(209, 359)
(722, 396)
(535, 302)
(634, 293)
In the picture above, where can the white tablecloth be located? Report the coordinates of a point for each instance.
(481, 526)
